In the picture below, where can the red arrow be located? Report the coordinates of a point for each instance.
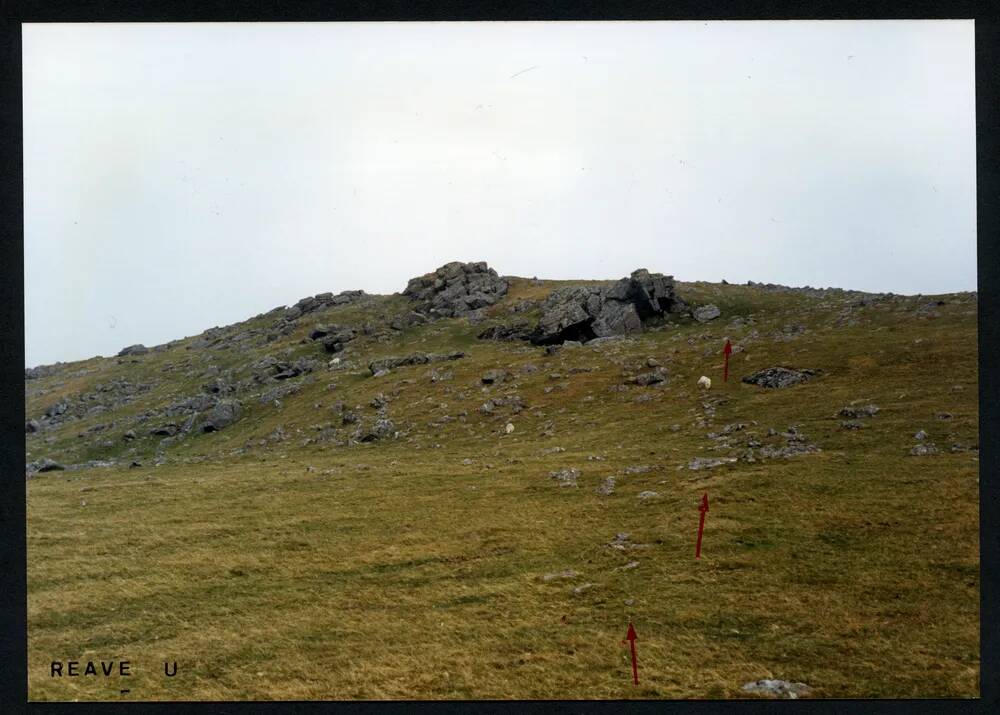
(630, 637)
(725, 370)
(703, 508)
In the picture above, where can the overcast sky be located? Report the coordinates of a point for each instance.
(182, 176)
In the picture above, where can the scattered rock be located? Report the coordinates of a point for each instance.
(566, 477)
(384, 365)
(509, 429)
(32, 426)
(921, 436)
(851, 424)
(924, 449)
(576, 591)
(709, 463)
(943, 416)
(48, 465)
(607, 487)
(559, 575)
(638, 469)
(517, 331)
(856, 412)
(648, 495)
(704, 382)
(650, 378)
(778, 377)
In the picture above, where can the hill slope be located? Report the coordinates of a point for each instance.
(304, 524)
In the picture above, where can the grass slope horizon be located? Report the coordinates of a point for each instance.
(281, 557)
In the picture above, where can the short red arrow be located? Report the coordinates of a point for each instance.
(703, 508)
(630, 637)
(725, 370)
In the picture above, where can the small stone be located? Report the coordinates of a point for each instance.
(509, 428)
(581, 589)
(648, 495)
(921, 435)
(607, 487)
(559, 575)
(777, 688)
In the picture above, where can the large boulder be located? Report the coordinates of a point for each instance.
(587, 312)
(457, 289)
(138, 349)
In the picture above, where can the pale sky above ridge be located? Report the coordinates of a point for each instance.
(181, 176)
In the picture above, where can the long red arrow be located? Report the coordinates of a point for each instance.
(630, 637)
(703, 508)
(725, 370)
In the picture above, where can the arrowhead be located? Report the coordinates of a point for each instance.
(631, 633)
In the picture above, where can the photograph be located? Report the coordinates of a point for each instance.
(501, 360)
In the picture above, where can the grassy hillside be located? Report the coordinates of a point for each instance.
(278, 559)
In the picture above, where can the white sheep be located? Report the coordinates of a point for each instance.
(704, 382)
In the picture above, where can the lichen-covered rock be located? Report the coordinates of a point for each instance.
(778, 377)
(705, 313)
(457, 289)
(223, 414)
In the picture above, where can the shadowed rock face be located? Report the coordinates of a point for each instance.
(586, 312)
(456, 289)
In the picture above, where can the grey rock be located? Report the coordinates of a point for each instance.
(381, 428)
(705, 313)
(638, 469)
(650, 378)
(32, 426)
(709, 463)
(457, 289)
(223, 414)
(778, 377)
(790, 450)
(583, 313)
(516, 331)
(137, 349)
(57, 410)
(777, 688)
(852, 424)
(129, 435)
(566, 477)
(924, 449)
(47, 465)
(648, 495)
(560, 575)
(166, 430)
(578, 590)
(607, 487)
(493, 377)
(856, 412)
(921, 435)
(385, 364)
